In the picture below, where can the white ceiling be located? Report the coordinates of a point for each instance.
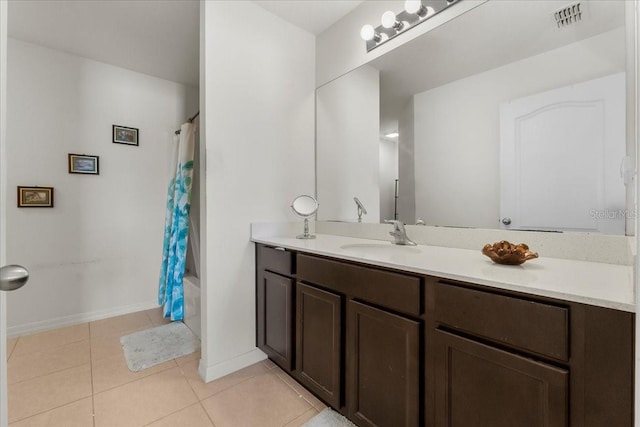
(314, 16)
(160, 38)
(155, 37)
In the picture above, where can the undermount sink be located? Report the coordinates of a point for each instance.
(380, 249)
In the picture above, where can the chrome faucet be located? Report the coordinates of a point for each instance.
(361, 209)
(399, 233)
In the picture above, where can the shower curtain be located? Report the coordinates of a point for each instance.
(176, 230)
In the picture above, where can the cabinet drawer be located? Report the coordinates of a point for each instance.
(276, 260)
(392, 290)
(532, 326)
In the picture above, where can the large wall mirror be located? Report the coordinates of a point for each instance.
(499, 118)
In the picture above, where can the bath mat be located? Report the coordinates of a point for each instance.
(329, 418)
(157, 345)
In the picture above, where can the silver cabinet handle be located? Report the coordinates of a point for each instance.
(279, 248)
(13, 277)
(506, 221)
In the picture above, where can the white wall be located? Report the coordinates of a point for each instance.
(192, 258)
(347, 146)
(388, 176)
(457, 168)
(258, 80)
(340, 48)
(98, 251)
(406, 173)
(193, 264)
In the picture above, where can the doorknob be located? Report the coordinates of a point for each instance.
(13, 277)
(506, 221)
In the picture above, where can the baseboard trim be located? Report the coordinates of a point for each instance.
(75, 319)
(210, 373)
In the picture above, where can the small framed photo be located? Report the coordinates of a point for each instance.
(35, 197)
(125, 135)
(83, 164)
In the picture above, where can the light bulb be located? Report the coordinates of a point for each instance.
(388, 19)
(367, 32)
(412, 6)
(430, 11)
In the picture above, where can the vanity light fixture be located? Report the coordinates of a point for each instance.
(415, 12)
(369, 33)
(415, 6)
(389, 20)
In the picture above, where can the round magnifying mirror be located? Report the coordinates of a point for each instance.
(305, 207)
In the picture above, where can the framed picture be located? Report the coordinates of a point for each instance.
(83, 164)
(35, 197)
(125, 135)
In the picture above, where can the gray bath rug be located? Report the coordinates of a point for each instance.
(329, 418)
(157, 345)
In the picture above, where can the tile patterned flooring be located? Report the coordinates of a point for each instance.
(77, 377)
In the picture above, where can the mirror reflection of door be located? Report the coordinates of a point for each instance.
(561, 152)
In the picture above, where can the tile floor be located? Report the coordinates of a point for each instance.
(77, 377)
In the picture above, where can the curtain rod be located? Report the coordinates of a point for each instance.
(190, 121)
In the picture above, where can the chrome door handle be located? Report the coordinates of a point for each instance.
(13, 277)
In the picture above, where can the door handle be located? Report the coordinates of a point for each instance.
(13, 277)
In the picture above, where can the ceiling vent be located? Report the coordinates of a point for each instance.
(570, 14)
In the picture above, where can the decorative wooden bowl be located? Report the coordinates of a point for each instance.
(507, 253)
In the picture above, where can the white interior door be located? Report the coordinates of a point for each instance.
(560, 158)
(11, 277)
(3, 300)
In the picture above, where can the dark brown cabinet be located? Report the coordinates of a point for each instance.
(383, 367)
(478, 385)
(319, 342)
(390, 349)
(278, 302)
(379, 367)
(274, 305)
(502, 358)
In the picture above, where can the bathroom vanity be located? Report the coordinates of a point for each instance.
(393, 337)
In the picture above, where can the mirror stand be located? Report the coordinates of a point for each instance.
(305, 234)
(305, 207)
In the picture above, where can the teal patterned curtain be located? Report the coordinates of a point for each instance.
(176, 230)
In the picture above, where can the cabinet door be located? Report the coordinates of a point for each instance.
(383, 373)
(275, 311)
(318, 342)
(479, 386)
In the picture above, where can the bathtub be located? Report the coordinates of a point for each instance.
(192, 303)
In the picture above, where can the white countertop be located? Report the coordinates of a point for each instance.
(594, 283)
